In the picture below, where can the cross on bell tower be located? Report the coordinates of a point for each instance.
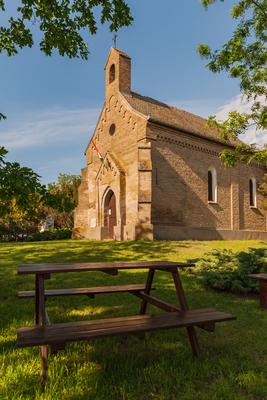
(115, 36)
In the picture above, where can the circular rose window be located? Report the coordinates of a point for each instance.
(112, 129)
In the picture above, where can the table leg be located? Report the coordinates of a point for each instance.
(183, 304)
(263, 294)
(44, 363)
(149, 281)
(37, 306)
(41, 300)
(41, 319)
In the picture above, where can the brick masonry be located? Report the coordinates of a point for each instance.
(158, 174)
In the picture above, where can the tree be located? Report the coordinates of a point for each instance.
(20, 185)
(62, 198)
(21, 195)
(244, 57)
(68, 185)
(63, 24)
(24, 201)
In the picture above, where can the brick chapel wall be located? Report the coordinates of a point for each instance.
(122, 144)
(180, 189)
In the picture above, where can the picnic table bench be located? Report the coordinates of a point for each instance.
(263, 288)
(56, 335)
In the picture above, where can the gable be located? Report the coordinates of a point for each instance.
(109, 165)
(95, 130)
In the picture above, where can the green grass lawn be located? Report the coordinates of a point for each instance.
(233, 362)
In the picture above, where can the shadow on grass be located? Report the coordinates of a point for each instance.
(160, 366)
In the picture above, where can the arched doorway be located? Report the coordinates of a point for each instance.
(110, 218)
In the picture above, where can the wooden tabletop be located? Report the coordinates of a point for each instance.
(99, 266)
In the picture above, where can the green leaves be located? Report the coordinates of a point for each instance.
(206, 3)
(61, 199)
(20, 191)
(228, 271)
(244, 57)
(3, 153)
(64, 24)
(245, 153)
(204, 50)
(24, 201)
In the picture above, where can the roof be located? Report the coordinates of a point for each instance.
(176, 118)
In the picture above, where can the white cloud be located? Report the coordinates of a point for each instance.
(206, 107)
(238, 103)
(48, 128)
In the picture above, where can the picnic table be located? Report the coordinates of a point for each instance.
(263, 288)
(56, 335)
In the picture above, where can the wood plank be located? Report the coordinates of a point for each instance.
(183, 304)
(168, 307)
(116, 326)
(116, 321)
(156, 302)
(84, 291)
(100, 266)
(149, 281)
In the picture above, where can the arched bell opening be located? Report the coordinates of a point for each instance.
(110, 217)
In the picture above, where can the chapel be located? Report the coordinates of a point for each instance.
(153, 172)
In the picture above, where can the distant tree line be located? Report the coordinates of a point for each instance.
(25, 202)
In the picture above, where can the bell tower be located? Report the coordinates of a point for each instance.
(117, 72)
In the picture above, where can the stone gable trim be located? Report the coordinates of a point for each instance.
(198, 135)
(96, 127)
(122, 107)
(111, 163)
(133, 110)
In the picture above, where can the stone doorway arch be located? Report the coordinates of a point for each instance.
(110, 215)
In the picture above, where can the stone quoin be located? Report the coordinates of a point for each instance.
(153, 172)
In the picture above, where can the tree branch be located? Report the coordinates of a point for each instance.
(256, 4)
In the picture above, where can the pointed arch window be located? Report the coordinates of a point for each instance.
(252, 192)
(212, 185)
(112, 73)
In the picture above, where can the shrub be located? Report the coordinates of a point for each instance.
(12, 232)
(52, 234)
(226, 270)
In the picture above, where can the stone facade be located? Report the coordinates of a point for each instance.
(151, 181)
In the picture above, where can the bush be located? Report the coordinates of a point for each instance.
(11, 232)
(51, 234)
(228, 271)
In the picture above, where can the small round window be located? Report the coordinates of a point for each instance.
(112, 129)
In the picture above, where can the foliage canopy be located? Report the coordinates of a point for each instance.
(244, 57)
(63, 24)
(24, 201)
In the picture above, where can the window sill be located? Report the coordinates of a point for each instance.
(212, 202)
(253, 207)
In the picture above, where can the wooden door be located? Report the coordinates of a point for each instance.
(110, 214)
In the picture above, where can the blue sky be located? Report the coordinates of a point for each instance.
(52, 103)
